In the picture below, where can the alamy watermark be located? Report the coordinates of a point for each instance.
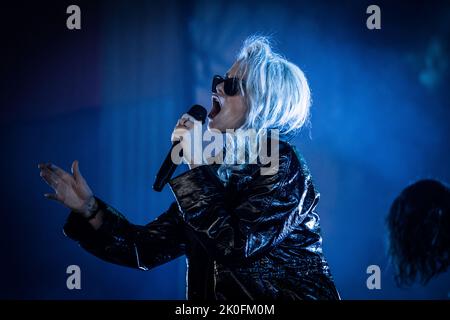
(73, 21)
(74, 279)
(234, 147)
(374, 280)
(373, 22)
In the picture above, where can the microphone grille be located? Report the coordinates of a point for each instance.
(198, 112)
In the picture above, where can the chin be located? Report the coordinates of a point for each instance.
(214, 126)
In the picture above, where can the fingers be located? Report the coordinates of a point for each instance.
(178, 133)
(56, 170)
(52, 196)
(49, 177)
(42, 165)
(183, 126)
(188, 117)
(183, 122)
(76, 171)
(187, 121)
(59, 172)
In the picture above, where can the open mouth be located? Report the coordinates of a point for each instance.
(215, 107)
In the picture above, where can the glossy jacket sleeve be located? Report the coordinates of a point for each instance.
(264, 212)
(121, 242)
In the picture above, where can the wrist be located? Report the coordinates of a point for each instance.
(91, 208)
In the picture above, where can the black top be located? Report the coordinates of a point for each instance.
(257, 237)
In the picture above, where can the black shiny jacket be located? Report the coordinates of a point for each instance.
(256, 237)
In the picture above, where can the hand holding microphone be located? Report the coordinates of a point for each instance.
(182, 135)
(181, 140)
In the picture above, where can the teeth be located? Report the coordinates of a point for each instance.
(216, 99)
(215, 108)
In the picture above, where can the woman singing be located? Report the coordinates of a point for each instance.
(246, 235)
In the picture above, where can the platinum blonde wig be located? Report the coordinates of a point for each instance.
(276, 90)
(277, 96)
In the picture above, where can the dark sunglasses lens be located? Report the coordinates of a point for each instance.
(215, 82)
(231, 86)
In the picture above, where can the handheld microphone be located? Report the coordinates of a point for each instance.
(168, 167)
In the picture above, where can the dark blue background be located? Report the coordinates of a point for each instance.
(110, 93)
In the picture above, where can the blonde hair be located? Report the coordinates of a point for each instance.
(277, 95)
(276, 90)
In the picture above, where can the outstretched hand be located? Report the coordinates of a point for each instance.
(70, 189)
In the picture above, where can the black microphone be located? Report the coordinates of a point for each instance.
(168, 167)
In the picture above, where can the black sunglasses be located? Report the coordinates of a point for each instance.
(230, 85)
